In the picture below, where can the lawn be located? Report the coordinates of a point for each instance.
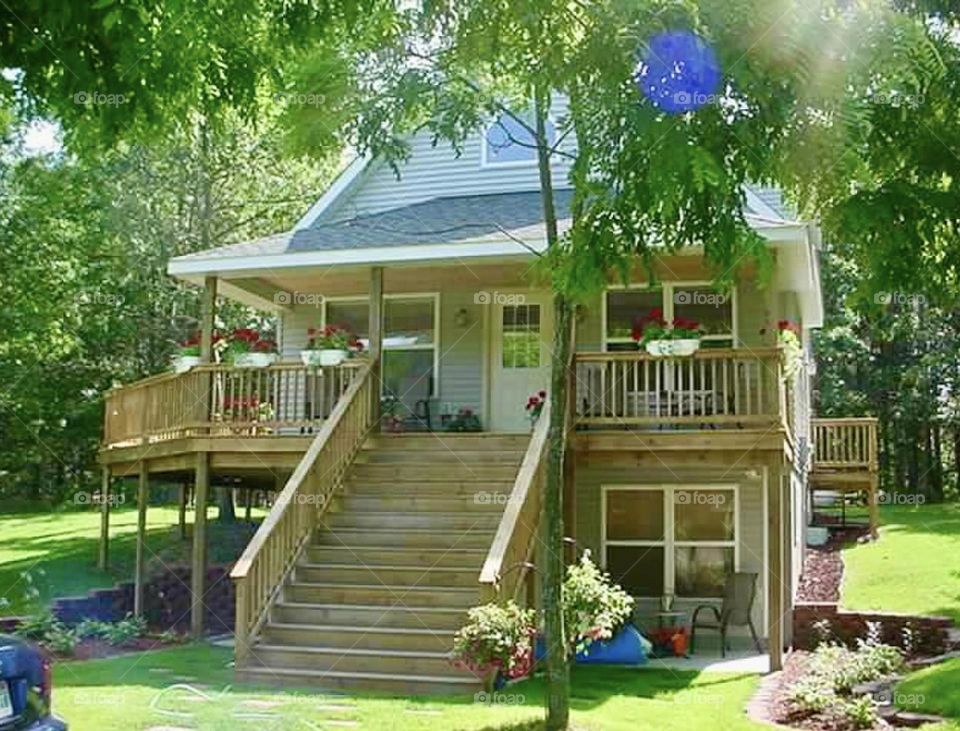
(913, 568)
(133, 692)
(933, 690)
(59, 550)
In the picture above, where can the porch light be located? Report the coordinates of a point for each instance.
(461, 318)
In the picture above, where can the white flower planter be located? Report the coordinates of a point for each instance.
(255, 360)
(183, 363)
(685, 347)
(332, 357)
(310, 358)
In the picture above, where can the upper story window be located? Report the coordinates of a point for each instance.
(713, 310)
(507, 142)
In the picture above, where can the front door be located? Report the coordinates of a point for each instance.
(522, 337)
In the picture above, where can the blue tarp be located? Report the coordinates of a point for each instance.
(626, 647)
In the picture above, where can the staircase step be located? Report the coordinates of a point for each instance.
(455, 458)
(451, 487)
(400, 616)
(434, 472)
(380, 594)
(400, 521)
(311, 573)
(359, 637)
(352, 660)
(462, 558)
(400, 684)
(448, 442)
(479, 537)
(478, 501)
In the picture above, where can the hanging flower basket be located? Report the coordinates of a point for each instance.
(329, 346)
(254, 360)
(660, 338)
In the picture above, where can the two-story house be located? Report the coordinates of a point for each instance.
(390, 523)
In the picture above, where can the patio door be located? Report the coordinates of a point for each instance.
(522, 336)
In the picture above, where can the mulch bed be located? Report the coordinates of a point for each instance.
(823, 567)
(96, 648)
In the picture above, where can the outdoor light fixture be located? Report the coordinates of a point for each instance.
(461, 318)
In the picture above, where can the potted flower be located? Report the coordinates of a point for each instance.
(596, 613)
(658, 337)
(329, 346)
(465, 420)
(496, 642)
(187, 355)
(788, 337)
(535, 405)
(246, 349)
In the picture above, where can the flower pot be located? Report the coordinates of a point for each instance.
(658, 348)
(255, 360)
(330, 357)
(183, 363)
(684, 347)
(310, 358)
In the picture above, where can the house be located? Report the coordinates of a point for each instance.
(389, 524)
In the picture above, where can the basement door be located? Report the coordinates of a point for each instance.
(522, 338)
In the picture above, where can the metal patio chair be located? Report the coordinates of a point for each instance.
(739, 593)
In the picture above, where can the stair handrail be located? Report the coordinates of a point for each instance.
(268, 559)
(516, 536)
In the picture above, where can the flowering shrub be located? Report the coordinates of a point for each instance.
(496, 638)
(833, 671)
(788, 336)
(653, 327)
(594, 608)
(332, 337)
(535, 405)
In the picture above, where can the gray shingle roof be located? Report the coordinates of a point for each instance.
(478, 218)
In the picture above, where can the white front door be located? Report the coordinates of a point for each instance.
(522, 338)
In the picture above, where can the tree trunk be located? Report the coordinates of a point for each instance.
(558, 671)
(228, 513)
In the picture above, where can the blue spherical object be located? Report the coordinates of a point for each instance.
(679, 72)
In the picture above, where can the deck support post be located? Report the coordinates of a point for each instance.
(776, 581)
(207, 317)
(375, 330)
(182, 510)
(873, 505)
(103, 550)
(198, 573)
(139, 576)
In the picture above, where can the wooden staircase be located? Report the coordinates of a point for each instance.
(386, 576)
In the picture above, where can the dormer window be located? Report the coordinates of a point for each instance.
(507, 142)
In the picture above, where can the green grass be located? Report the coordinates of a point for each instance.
(59, 551)
(913, 568)
(129, 693)
(933, 690)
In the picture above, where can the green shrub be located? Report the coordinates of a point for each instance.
(593, 606)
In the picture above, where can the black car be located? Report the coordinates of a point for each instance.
(25, 688)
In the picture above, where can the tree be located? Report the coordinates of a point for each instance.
(645, 181)
(84, 246)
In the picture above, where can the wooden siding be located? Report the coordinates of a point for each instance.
(590, 478)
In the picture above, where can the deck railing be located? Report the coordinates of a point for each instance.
(845, 443)
(508, 562)
(223, 400)
(270, 555)
(713, 388)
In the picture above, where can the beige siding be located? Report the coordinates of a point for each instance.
(589, 529)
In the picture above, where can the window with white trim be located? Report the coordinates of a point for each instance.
(670, 539)
(625, 307)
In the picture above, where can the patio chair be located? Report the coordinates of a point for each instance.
(738, 594)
